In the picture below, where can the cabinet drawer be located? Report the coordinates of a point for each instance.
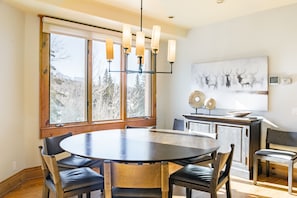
(199, 127)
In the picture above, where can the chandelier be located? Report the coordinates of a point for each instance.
(140, 48)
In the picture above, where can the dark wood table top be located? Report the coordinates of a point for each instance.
(139, 145)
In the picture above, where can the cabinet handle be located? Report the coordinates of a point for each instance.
(246, 132)
(246, 160)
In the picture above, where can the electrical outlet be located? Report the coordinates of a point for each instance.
(14, 165)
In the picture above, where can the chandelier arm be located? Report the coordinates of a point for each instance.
(166, 72)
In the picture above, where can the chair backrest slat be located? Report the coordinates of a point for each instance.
(136, 175)
(178, 124)
(52, 144)
(281, 138)
(223, 162)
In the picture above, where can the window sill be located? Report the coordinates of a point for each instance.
(82, 128)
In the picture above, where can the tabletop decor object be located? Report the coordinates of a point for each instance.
(210, 104)
(238, 113)
(196, 99)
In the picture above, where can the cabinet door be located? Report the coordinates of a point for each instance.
(238, 136)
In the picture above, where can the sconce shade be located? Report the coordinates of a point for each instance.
(155, 38)
(140, 44)
(127, 37)
(171, 51)
(109, 49)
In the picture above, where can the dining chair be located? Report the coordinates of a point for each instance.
(178, 124)
(204, 159)
(70, 182)
(52, 147)
(272, 152)
(203, 178)
(131, 180)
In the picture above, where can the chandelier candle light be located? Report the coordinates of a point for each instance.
(140, 48)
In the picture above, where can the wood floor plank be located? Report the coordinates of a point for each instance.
(270, 187)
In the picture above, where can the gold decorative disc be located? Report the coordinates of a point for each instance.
(196, 99)
(210, 103)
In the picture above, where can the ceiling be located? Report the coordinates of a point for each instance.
(194, 13)
(186, 14)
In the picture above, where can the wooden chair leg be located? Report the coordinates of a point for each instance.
(255, 170)
(290, 177)
(45, 192)
(267, 168)
(228, 189)
(188, 193)
(170, 191)
(213, 194)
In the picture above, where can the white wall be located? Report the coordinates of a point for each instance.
(11, 87)
(19, 85)
(31, 91)
(272, 33)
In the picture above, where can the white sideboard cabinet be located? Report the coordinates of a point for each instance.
(244, 133)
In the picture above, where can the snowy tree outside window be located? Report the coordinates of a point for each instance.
(68, 82)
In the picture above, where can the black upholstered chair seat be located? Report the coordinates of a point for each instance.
(194, 160)
(76, 179)
(279, 154)
(76, 161)
(79, 178)
(194, 174)
(136, 192)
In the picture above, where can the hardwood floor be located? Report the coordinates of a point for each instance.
(267, 187)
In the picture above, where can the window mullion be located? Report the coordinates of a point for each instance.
(123, 88)
(89, 81)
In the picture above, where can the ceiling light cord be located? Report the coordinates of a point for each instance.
(141, 15)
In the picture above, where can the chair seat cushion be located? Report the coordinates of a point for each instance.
(80, 177)
(74, 161)
(282, 154)
(199, 175)
(136, 192)
(194, 160)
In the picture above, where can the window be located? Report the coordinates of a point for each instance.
(78, 93)
(139, 88)
(105, 85)
(68, 85)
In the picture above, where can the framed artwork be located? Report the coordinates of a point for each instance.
(239, 84)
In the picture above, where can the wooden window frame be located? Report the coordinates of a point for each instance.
(46, 129)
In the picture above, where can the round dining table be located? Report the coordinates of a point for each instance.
(139, 145)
